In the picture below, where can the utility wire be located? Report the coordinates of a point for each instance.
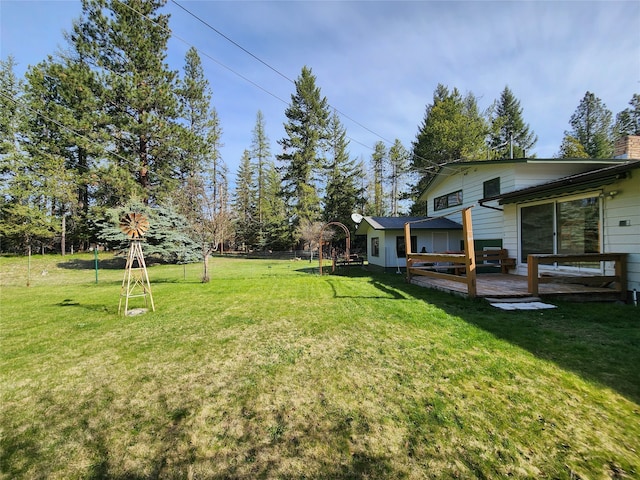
(206, 55)
(211, 27)
(275, 70)
(432, 165)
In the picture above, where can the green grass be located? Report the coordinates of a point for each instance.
(271, 371)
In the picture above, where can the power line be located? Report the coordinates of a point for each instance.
(432, 165)
(231, 41)
(276, 70)
(206, 55)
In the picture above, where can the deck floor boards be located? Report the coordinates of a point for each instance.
(499, 285)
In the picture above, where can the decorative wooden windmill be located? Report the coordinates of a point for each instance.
(136, 279)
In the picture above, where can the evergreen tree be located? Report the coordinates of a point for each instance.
(69, 127)
(628, 120)
(261, 155)
(245, 203)
(571, 148)
(126, 40)
(452, 129)
(343, 194)
(510, 136)
(378, 161)
(591, 126)
(302, 155)
(276, 228)
(198, 118)
(167, 239)
(10, 91)
(399, 164)
(24, 217)
(203, 196)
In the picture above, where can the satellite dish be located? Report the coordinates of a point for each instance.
(357, 218)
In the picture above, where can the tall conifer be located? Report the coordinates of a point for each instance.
(343, 194)
(126, 40)
(510, 136)
(303, 149)
(591, 126)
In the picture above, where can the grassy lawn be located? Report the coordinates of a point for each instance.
(271, 371)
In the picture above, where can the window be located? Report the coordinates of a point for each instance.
(569, 227)
(375, 247)
(401, 250)
(491, 188)
(448, 200)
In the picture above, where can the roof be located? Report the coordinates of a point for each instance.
(513, 161)
(570, 184)
(397, 223)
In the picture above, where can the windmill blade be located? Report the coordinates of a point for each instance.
(134, 225)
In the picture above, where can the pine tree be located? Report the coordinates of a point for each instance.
(399, 163)
(194, 95)
(343, 194)
(276, 228)
(24, 217)
(66, 123)
(628, 120)
(571, 148)
(510, 136)
(261, 155)
(591, 126)
(302, 155)
(378, 161)
(452, 129)
(126, 40)
(10, 91)
(245, 203)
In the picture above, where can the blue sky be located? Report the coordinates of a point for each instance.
(379, 62)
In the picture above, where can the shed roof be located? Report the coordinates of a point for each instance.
(397, 223)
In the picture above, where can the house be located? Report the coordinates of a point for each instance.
(385, 238)
(546, 206)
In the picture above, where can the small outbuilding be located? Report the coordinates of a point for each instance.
(385, 238)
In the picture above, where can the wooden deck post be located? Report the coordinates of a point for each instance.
(470, 252)
(620, 266)
(532, 273)
(407, 249)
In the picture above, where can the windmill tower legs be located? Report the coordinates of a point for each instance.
(136, 279)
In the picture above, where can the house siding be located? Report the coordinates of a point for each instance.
(511, 237)
(492, 224)
(624, 207)
(488, 223)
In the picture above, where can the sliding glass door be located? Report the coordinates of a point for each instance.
(564, 227)
(536, 229)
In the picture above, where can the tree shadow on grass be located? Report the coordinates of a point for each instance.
(598, 341)
(113, 263)
(385, 291)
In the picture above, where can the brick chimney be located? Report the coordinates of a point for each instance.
(627, 147)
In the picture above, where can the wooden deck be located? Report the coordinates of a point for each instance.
(498, 285)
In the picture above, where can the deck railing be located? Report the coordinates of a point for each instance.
(618, 280)
(443, 265)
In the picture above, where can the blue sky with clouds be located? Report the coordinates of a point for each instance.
(379, 62)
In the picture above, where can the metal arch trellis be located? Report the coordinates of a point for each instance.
(348, 246)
